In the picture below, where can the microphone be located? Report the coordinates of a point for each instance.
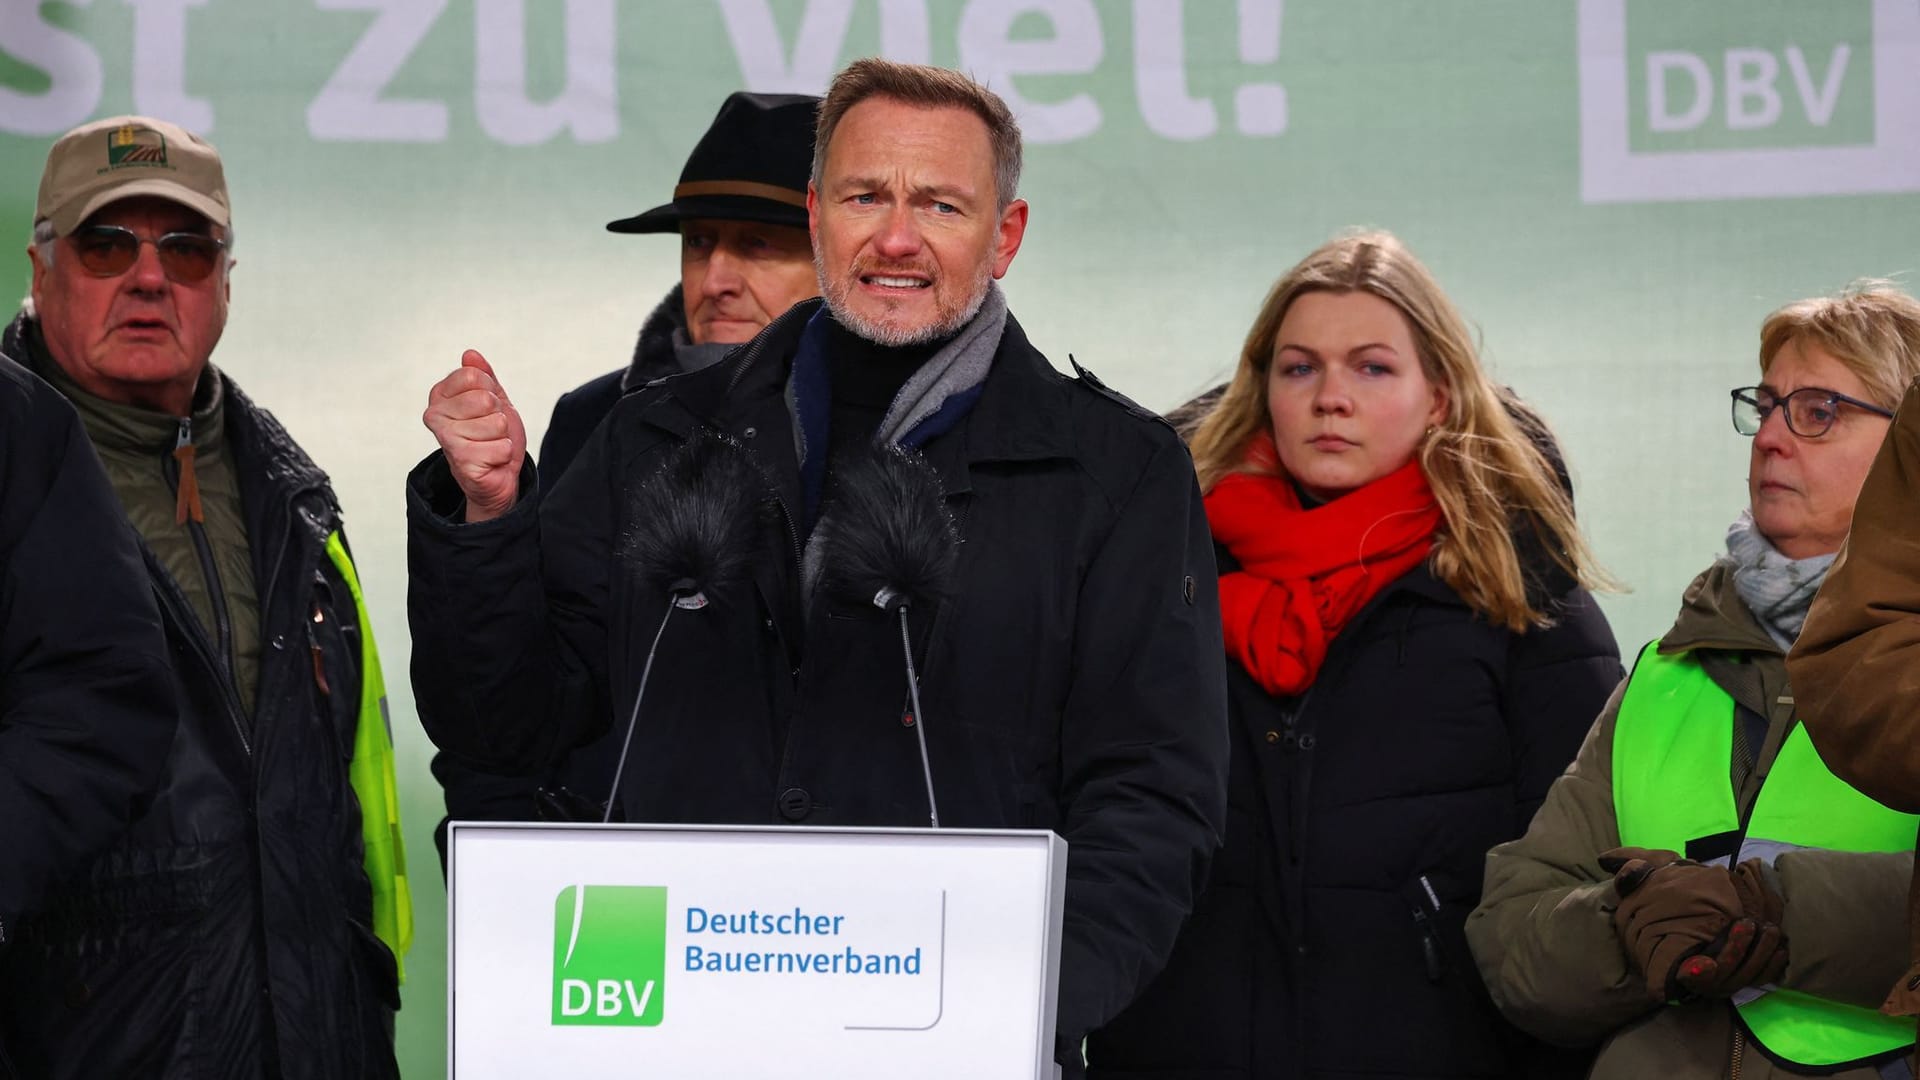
(691, 532)
(888, 540)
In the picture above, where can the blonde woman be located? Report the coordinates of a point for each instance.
(1414, 658)
(1699, 892)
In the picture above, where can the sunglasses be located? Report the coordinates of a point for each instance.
(110, 250)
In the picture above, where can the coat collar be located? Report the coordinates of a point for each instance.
(653, 356)
(1020, 415)
(271, 465)
(1712, 616)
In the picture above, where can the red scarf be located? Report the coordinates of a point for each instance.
(1305, 572)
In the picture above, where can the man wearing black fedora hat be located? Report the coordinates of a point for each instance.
(740, 210)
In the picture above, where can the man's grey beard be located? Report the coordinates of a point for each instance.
(893, 336)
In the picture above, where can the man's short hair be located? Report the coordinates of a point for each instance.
(44, 239)
(928, 88)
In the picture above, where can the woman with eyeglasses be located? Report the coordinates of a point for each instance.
(1413, 660)
(1699, 891)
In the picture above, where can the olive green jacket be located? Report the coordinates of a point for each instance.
(1543, 934)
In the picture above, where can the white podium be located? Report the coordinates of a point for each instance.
(696, 952)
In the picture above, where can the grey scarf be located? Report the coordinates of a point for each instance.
(1778, 590)
(960, 365)
(693, 357)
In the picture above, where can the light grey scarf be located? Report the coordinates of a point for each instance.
(960, 365)
(1778, 590)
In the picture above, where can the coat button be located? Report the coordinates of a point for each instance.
(1306, 742)
(750, 432)
(795, 803)
(279, 642)
(1273, 737)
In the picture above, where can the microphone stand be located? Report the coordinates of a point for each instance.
(681, 594)
(888, 597)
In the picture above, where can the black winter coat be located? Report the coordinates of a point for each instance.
(229, 932)
(582, 778)
(86, 704)
(1329, 942)
(1073, 681)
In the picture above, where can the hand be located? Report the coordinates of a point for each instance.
(1754, 950)
(1749, 954)
(1670, 910)
(1758, 900)
(481, 435)
(1631, 865)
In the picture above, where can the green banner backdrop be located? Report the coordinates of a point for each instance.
(1615, 191)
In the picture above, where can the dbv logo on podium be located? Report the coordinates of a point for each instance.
(1692, 101)
(609, 955)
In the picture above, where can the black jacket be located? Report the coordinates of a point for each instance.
(1073, 681)
(229, 932)
(86, 705)
(1329, 942)
(474, 792)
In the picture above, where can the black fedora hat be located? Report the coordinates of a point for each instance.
(751, 165)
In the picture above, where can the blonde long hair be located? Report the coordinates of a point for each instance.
(1486, 469)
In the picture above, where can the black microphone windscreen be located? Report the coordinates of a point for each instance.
(885, 528)
(693, 525)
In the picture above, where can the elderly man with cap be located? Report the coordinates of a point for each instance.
(248, 922)
(740, 210)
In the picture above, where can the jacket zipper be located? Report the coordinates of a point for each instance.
(216, 593)
(176, 601)
(222, 662)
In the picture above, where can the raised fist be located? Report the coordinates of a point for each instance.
(481, 435)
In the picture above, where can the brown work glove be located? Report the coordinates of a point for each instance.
(1752, 952)
(1758, 900)
(1670, 909)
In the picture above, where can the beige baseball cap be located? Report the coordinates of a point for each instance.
(123, 156)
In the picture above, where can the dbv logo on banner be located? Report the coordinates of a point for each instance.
(1681, 102)
(610, 955)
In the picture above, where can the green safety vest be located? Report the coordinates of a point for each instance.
(373, 783)
(1672, 783)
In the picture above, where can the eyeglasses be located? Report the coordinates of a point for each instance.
(1810, 411)
(109, 250)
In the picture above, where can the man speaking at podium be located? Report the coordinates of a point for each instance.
(1061, 603)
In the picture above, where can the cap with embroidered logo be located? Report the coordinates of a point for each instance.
(122, 157)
